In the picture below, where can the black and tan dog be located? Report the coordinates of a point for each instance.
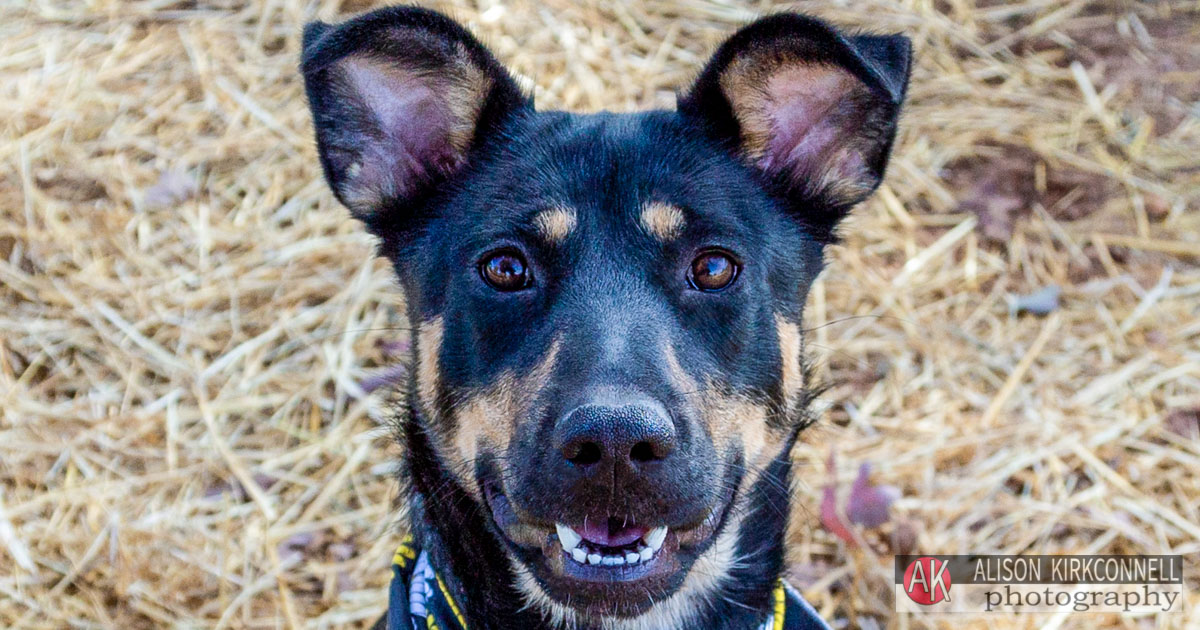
(606, 308)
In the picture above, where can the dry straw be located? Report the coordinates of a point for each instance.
(187, 318)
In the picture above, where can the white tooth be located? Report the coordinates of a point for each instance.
(645, 553)
(593, 558)
(632, 558)
(579, 555)
(655, 538)
(612, 560)
(568, 537)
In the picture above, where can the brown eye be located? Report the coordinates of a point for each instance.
(713, 271)
(505, 271)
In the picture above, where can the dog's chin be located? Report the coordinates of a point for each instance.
(621, 572)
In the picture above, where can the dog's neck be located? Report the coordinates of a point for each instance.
(453, 529)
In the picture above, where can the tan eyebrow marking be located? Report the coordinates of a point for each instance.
(663, 221)
(554, 224)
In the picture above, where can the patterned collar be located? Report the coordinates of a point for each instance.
(419, 600)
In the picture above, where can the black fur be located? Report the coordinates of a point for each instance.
(609, 297)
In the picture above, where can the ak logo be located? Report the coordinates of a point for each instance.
(927, 581)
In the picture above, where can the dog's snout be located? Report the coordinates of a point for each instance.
(606, 437)
(617, 452)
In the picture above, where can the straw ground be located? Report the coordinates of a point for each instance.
(188, 322)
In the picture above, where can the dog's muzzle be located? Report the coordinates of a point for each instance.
(614, 506)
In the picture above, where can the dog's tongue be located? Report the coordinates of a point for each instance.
(609, 534)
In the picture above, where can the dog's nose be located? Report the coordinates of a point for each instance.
(604, 437)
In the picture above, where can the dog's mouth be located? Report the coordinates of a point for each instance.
(612, 542)
(606, 564)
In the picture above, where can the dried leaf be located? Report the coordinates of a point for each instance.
(394, 348)
(171, 188)
(868, 623)
(904, 537)
(393, 375)
(999, 186)
(342, 551)
(831, 517)
(870, 505)
(804, 575)
(1184, 422)
(1041, 302)
(832, 520)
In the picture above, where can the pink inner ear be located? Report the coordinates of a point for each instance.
(809, 109)
(415, 124)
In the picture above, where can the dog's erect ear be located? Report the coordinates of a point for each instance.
(399, 98)
(813, 109)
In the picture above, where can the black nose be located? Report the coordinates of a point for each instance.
(604, 436)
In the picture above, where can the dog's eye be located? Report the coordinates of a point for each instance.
(713, 271)
(505, 271)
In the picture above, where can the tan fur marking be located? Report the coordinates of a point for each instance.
(429, 348)
(491, 417)
(754, 83)
(681, 379)
(792, 378)
(732, 417)
(471, 86)
(485, 418)
(464, 87)
(751, 84)
(555, 224)
(729, 417)
(663, 221)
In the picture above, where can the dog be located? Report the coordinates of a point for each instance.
(607, 376)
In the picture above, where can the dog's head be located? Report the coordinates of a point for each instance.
(607, 307)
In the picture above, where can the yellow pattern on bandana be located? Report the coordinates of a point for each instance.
(404, 552)
(780, 605)
(450, 600)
